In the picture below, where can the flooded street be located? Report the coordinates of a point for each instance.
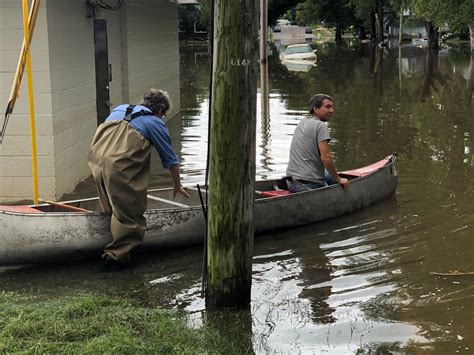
(354, 284)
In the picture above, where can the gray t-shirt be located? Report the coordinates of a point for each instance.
(305, 162)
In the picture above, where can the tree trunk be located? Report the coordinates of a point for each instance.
(373, 27)
(427, 82)
(378, 70)
(433, 36)
(232, 154)
(379, 21)
(338, 33)
(471, 34)
(362, 33)
(470, 80)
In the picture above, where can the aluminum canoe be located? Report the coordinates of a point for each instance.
(77, 229)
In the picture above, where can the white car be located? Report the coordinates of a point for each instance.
(299, 52)
(420, 42)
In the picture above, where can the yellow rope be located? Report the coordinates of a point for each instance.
(31, 102)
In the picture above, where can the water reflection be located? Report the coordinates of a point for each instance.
(324, 289)
(300, 65)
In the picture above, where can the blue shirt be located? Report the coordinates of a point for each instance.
(152, 128)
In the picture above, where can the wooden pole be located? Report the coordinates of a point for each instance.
(400, 41)
(30, 101)
(232, 153)
(400, 32)
(264, 91)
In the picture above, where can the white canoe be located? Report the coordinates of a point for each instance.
(51, 232)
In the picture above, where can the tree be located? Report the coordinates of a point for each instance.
(305, 13)
(187, 15)
(438, 13)
(276, 8)
(467, 18)
(195, 16)
(204, 18)
(370, 12)
(431, 11)
(335, 13)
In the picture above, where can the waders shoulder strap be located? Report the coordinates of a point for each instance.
(130, 116)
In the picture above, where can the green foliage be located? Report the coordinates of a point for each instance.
(187, 16)
(204, 18)
(333, 13)
(97, 325)
(277, 8)
(430, 10)
(305, 13)
(191, 15)
(455, 13)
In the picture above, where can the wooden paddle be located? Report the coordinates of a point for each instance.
(20, 67)
(66, 207)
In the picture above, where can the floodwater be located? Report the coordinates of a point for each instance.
(362, 283)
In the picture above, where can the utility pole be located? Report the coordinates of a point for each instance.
(264, 92)
(232, 153)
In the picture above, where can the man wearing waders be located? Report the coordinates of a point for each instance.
(119, 159)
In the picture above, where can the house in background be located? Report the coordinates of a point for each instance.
(411, 29)
(85, 60)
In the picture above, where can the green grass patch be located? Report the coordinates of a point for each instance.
(98, 324)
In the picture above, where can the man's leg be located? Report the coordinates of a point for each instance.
(127, 223)
(127, 234)
(295, 186)
(128, 202)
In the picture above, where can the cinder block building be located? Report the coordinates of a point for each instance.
(85, 60)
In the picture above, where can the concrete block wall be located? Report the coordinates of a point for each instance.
(153, 49)
(72, 72)
(143, 51)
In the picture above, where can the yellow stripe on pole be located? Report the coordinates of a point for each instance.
(30, 101)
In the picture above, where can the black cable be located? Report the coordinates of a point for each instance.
(202, 202)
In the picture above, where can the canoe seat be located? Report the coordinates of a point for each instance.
(19, 209)
(274, 193)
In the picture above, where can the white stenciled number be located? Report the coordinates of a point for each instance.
(240, 62)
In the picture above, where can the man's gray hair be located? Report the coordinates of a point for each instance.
(317, 101)
(156, 100)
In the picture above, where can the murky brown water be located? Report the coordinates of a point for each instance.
(360, 283)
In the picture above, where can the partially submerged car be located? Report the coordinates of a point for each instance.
(299, 52)
(420, 42)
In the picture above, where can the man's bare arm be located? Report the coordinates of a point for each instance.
(329, 164)
(177, 187)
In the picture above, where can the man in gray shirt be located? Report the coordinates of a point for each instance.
(311, 165)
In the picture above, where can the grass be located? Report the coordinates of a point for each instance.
(97, 324)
